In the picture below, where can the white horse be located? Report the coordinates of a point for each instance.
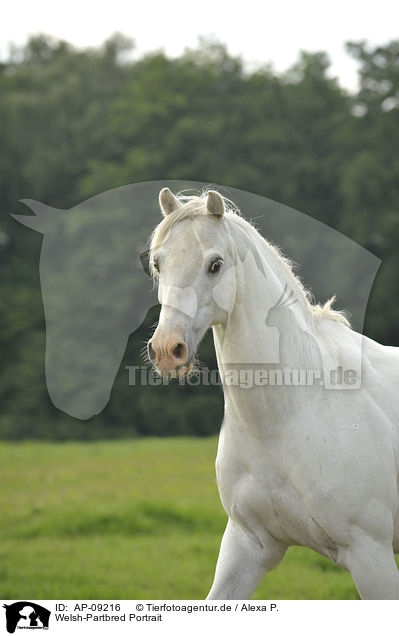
(296, 465)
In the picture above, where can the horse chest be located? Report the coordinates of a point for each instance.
(261, 498)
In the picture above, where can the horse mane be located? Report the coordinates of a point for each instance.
(194, 205)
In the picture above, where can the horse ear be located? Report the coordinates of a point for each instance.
(168, 202)
(215, 203)
(44, 215)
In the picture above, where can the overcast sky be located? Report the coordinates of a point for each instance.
(261, 31)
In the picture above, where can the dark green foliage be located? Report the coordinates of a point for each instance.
(75, 123)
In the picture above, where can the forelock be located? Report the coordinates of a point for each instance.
(189, 206)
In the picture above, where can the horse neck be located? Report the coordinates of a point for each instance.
(261, 276)
(246, 343)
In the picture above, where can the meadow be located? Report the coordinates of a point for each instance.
(130, 519)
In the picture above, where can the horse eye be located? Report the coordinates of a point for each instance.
(215, 266)
(155, 266)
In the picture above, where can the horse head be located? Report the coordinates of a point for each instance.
(189, 256)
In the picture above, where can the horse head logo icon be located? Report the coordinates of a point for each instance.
(275, 313)
(293, 336)
(26, 614)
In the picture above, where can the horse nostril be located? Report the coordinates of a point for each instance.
(178, 350)
(151, 353)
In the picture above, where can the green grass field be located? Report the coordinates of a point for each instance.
(130, 519)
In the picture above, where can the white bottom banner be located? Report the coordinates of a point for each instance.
(182, 617)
